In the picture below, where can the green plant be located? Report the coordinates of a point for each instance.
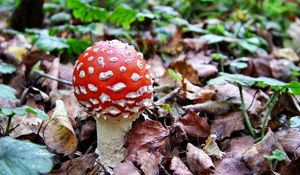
(23, 157)
(246, 81)
(277, 156)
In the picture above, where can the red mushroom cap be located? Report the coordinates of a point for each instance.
(111, 78)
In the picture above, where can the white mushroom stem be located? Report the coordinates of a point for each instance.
(110, 139)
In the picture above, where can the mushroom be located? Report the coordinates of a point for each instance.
(111, 80)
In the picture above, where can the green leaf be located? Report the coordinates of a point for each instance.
(238, 64)
(7, 92)
(24, 110)
(174, 75)
(218, 56)
(60, 17)
(276, 155)
(123, 16)
(295, 122)
(233, 79)
(77, 46)
(50, 43)
(7, 68)
(23, 157)
(85, 12)
(40, 114)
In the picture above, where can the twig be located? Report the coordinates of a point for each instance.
(271, 105)
(54, 78)
(8, 124)
(164, 169)
(245, 114)
(168, 96)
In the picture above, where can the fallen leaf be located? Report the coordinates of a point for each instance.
(186, 70)
(254, 156)
(157, 68)
(224, 125)
(211, 148)
(195, 43)
(198, 161)
(290, 140)
(178, 167)
(149, 162)
(287, 53)
(58, 132)
(232, 163)
(79, 166)
(201, 95)
(194, 125)
(148, 135)
(210, 107)
(126, 168)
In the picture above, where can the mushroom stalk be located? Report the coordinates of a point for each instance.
(111, 139)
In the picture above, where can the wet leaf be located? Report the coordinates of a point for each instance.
(295, 122)
(6, 92)
(23, 157)
(7, 68)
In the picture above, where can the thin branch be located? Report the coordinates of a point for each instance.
(168, 96)
(66, 82)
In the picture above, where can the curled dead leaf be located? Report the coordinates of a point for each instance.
(58, 132)
(198, 161)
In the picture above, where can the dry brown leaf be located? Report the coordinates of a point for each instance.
(198, 161)
(290, 140)
(186, 70)
(194, 125)
(210, 107)
(254, 156)
(201, 95)
(195, 43)
(224, 125)
(126, 168)
(149, 162)
(148, 135)
(178, 167)
(232, 163)
(88, 128)
(59, 133)
(84, 164)
(204, 71)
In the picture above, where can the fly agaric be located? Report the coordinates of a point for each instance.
(111, 80)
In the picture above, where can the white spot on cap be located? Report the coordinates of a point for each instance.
(122, 69)
(82, 89)
(150, 89)
(82, 74)
(85, 54)
(148, 77)
(147, 67)
(76, 90)
(98, 109)
(121, 103)
(117, 87)
(92, 88)
(113, 59)
(94, 101)
(125, 115)
(135, 77)
(128, 60)
(90, 58)
(133, 95)
(101, 61)
(109, 52)
(140, 55)
(91, 70)
(104, 97)
(103, 50)
(85, 104)
(130, 102)
(139, 64)
(79, 66)
(96, 49)
(143, 89)
(145, 102)
(105, 75)
(135, 109)
(113, 110)
(89, 48)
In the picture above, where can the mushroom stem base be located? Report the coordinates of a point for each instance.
(110, 140)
